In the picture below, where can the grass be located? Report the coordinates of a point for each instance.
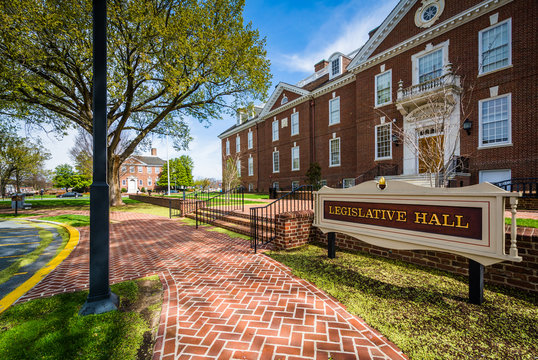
(46, 238)
(532, 223)
(19, 215)
(208, 227)
(71, 220)
(423, 311)
(50, 328)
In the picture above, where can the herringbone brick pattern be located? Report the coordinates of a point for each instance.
(221, 301)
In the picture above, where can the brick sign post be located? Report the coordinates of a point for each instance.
(466, 221)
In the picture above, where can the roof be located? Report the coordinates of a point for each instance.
(149, 160)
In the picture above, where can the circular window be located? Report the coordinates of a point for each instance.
(429, 12)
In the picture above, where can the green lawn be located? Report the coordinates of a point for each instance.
(71, 220)
(423, 311)
(51, 328)
(523, 222)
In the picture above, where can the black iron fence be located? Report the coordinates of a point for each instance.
(262, 218)
(378, 170)
(218, 206)
(527, 186)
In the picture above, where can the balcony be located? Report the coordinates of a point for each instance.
(445, 88)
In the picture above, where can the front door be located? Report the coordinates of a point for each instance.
(431, 152)
(132, 186)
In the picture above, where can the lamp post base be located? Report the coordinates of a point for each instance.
(100, 306)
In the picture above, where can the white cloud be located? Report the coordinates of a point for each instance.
(349, 35)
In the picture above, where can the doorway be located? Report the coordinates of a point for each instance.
(430, 150)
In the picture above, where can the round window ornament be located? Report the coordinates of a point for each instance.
(429, 12)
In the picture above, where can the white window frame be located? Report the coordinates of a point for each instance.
(275, 130)
(339, 152)
(331, 102)
(415, 59)
(480, 64)
(227, 147)
(277, 185)
(377, 157)
(250, 140)
(250, 166)
(323, 183)
(238, 164)
(293, 168)
(294, 123)
(237, 144)
(480, 126)
(331, 61)
(124, 169)
(390, 88)
(140, 169)
(131, 169)
(149, 181)
(295, 184)
(141, 182)
(351, 180)
(123, 182)
(277, 168)
(149, 169)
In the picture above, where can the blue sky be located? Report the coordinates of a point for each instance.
(299, 34)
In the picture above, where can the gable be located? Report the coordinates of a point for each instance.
(282, 89)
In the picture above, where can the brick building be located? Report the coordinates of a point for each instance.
(453, 79)
(139, 172)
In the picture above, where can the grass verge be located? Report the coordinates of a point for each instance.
(51, 328)
(423, 311)
(532, 223)
(71, 220)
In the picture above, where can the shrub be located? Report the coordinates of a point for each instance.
(143, 189)
(123, 190)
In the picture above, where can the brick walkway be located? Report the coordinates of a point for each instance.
(220, 300)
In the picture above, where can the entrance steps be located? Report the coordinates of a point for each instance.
(415, 179)
(235, 221)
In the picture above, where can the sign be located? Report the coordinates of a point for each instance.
(466, 221)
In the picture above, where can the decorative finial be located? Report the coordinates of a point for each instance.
(382, 183)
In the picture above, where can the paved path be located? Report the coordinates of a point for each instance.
(221, 301)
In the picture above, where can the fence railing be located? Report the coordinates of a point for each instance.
(218, 206)
(262, 218)
(378, 170)
(527, 186)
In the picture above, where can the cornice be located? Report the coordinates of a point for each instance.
(447, 25)
(235, 130)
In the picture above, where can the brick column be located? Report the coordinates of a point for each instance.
(294, 229)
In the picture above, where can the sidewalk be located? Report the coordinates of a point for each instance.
(221, 301)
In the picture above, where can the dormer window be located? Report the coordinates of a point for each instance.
(284, 99)
(335, 65)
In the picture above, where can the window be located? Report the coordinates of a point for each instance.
(322, 183)
(494, 47)
(149, 181)
(275, 130)
(237, 144)
(335, 67)
(295, 123)
(123, 182)
(141, 182)
(157, 170)
(334, 152)
(284, 100)
(494, 122)
(140, 169)
(239, 168)
(276, 162)
(430, 66)
(347, 183)
(227, 147)
(131, 169)
(149, 170)
(250, 166)
(383, 93)
(275, 185)
(334, 111)
(295, 163)
(249, 140)
(124, 169)
(294, 185)
(250, 187)
(383, 141)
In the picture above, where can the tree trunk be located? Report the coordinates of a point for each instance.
(113, 178)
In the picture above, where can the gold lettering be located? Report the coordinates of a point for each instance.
(383, 214)
(390, 214)
(434, 220)
(331, 210)
(459, 225)
(337, 210)
(369, 214)
(376, 211)
(445, 221)
(354, 212)
(360, 213)
(401, 216)
(420, 218)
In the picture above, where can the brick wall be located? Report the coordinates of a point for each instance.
(294, 229)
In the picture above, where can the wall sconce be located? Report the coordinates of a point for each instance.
(467, 125)
(395, 139)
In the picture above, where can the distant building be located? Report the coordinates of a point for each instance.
(140, 171)
(479, 56)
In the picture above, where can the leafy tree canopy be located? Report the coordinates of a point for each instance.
(166, 60)
(180, 172)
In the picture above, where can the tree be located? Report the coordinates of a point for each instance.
(20, 159)
(166, 60)
(82, 153)
(63, 175)
(188, 165)
(230, 173)
(203, 183)
(314, 175)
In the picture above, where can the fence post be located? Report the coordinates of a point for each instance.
(331, 246)
(169, 208)
(242, 199)
(196, 212)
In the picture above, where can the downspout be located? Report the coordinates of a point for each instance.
(312, 131)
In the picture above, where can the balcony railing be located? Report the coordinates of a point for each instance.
(313, 77)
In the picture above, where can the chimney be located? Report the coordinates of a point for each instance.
(153, 152)
(321, 65)
(372, 32)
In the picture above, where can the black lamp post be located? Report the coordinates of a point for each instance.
(100, 298)
(395, 139)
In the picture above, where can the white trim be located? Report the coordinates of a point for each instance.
(276, 94)
(273, 161)
(250, 166)
(238, 164)
(298, 159)
(294, 115)
(336, 56)
(390, 87)
(331, 101)
(480, 68)
(237, 144)
(227, 147)
(499, 144)
(339, 152)
(427, 51)
(250, 139)
(273, 137)
(376, 158)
